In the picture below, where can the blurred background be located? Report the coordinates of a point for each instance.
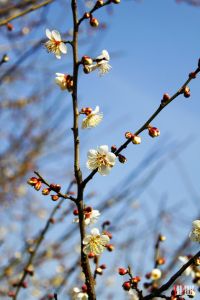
(153, 45)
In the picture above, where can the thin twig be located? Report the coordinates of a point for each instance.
(22, 13)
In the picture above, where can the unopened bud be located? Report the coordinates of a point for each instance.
(5, 58)
(128, 135)
(84, 288)
(91, 255)
(136, 279)
(165, 99)
(45, 191)
(86, 60)
(87, 15)
(186, 92)
(126, 285)
(153, 131)
(136, 139)
(113, 149)
(38, 185)
(24, 284)
(192, 75)
(32, 181)
(10, 26)
(122, 159)
(161, 261)
(54, 197)
(116, 1)
(75, 212)
(103, 267)
(162, 238)
(122, 271)
(99, 271)
(110, 247)
(94, 22)
(86, 69)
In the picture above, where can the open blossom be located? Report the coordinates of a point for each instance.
(189, 271)
(102, 64)
(133, 294)
(55, 43)
(64, 81)
(156, 274)
(90, 216)
(195, 233)
(101, 159)
(95, 242)
(78, 294)
(92, 119)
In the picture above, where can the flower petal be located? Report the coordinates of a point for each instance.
(48, 34)
(63, 48)
(92, 153)
(103, 149)
(96, 110)
(95, 231)
(104, 170)
(111, 158)
(56, 35)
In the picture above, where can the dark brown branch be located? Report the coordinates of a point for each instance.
(147, 123)
(169, 283)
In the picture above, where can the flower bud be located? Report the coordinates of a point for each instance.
(38, 185)
(122, 271)
(126, 285)
(136, 139)
(161, 261)
(122, 159)
(116, 1)
(54, 197)
(109, 234)
(32, 181)
(11, 294)
(52, 221)
(113, 149)
(91, 255)
(192, 75)
(75, 212)
(5, 58)
(197, 261)
(162, 238)
(103, 266)
(87, 15)
(94, 22)
(110, 247)
(153, 131)
(30, 270)
(24, 284)
(10, 26)
(186, 92)
(165, 99)
(57, 188)
(86, 60)
(99, 3)
(86, 70)
(84, 288)
(128, 135)
(45, 191)
(88, 111)
(99, 271)
(136, 279)
(156, 274)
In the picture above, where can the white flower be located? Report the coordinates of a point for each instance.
(92, 119)
(189, 271)
(195, 233)
(156, 274)
(101, 159)
(64, 81)
(102, 64)
(95, 242)
(78, 294)
(55, 43)
(90, 217)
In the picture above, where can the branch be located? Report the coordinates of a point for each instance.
(167, 285)
(147, 123)
(22, 13)
(38, 243)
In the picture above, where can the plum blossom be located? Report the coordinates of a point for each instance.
(101, 63)
(90, 216)
(78, 294)
(101, 159)
(95, 242)
(55, 43)
(64, 81)
(156, 274)
(92, 119)
(195, 233)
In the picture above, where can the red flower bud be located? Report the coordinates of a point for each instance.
(45, 191)
(38, 185)
(126, 285)
(94, 22)
(128, 135)
(122, 271)
(32, 181)
(153, 131)
(75, 212)
(54, 197)
(84, 288)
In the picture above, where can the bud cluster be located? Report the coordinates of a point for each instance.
(37, 184)
(132, 283)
